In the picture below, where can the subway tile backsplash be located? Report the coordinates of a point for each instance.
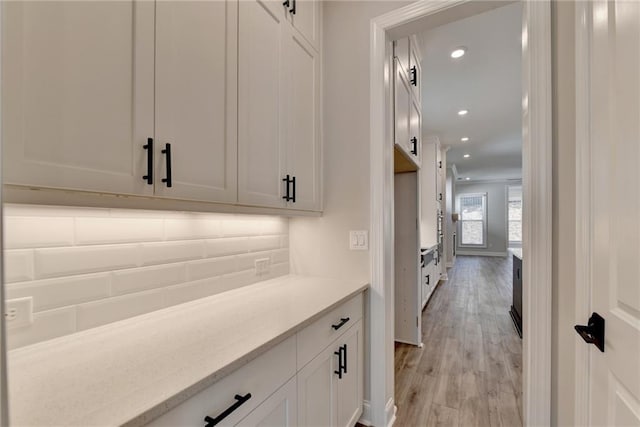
(86, 267)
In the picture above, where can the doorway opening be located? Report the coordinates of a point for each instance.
(460, 361)
(465, 219)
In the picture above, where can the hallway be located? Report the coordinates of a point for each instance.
(469, 372)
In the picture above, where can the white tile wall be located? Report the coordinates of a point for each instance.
(86, 267)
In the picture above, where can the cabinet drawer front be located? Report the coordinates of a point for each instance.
(260, 377)
(318, 335)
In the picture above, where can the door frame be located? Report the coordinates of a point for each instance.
(537, 197)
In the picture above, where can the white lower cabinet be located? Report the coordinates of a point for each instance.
(279, 410)
(330, 386)
(277, 388)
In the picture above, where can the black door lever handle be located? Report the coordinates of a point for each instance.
(593, 333)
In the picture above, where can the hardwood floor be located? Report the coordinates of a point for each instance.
(469, 372)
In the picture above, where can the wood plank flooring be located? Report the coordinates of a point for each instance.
(469, 372)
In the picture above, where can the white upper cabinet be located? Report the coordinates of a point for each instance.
(261, 103)
(77, 100)
(196, 99)
(415, 69)
(402, 112)
(415, 129)
(279, 118)
(213, 101)
(305, 17)
(303, 139)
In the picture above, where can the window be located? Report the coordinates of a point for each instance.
(473, 219)
(514, 210)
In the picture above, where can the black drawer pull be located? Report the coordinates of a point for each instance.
(343, 320)
(149, 148)
(239, 402)
(167, 152)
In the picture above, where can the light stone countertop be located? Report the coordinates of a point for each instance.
(132, 371)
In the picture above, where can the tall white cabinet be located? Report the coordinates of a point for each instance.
(279, 108)
(207, 101)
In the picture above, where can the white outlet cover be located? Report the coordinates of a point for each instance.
(262, 266)
(21, 312)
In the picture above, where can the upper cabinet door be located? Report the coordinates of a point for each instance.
(401, 52)
(305, 17)
(77, 98)
(261, 103)
(196, 99)
(402, 112)
(415, 129)
(303, 139)
(415, 71)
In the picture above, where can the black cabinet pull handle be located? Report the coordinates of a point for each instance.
(286, 3)
(167, 152)
(286, 180)
(414, 76)
(239, 402)
(343, 320)
(293, 180)
(149, 148)
(428, 278)
(414, 146)
(593, 333)
(518, 273)
(339, 354)
(344, 360)
(293, 9)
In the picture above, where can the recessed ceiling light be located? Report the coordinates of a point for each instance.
(466, 156)
(464, 139)
(467, 179)
(463, 112)
(458, 52)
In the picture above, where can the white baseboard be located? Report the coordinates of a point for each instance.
(390, 410)
(390, 413)
(365, 418)
(502, 254)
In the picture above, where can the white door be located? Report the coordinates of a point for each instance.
(261, 103)
(303, 115)
(614, 101)
(77, 101)
(317, 397)
(351, 383)
(279, 410)
(196, 99)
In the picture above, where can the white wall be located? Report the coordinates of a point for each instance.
(496, 215)
(320, 246)
(87, 267)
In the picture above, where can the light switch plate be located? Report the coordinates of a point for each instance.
(359, 240)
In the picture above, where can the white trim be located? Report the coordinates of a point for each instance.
(583, 32)
(481, 253)
(391, 410)
(365, 418)
(537, 213)
(537, 197)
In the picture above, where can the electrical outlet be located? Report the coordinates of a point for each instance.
(262, 266)
(18, 312)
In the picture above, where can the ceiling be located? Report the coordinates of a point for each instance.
(486, 81)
